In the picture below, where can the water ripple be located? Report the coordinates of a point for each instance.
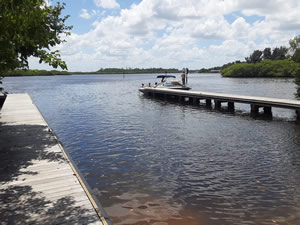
(155, 162)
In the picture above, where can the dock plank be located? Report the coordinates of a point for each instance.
(38, 181)
(255, 102)
(275, 102)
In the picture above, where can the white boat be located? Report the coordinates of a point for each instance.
(167, 81)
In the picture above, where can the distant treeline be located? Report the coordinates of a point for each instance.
(136, 70)
(216, 69)
(36, 73)
(101, 71)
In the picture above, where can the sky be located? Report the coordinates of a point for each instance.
(172, 33)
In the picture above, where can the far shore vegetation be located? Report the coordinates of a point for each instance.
(35, 72)
(267, 68)
(277, 62)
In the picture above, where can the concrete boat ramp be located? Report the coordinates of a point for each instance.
(39, 184)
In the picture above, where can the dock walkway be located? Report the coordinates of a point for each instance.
(219, 98)
(39, 184)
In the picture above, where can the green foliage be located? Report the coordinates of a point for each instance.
(239, 70)
(22, 72)
(295, 43)
(279, 53)
(217, 69)
(267, 53)
(210, 70)
(265, 68)
(136, 70)
(297, 81)
(295, 56)
(36, 73)
(30, 28)
(255, 57)
(295, 49)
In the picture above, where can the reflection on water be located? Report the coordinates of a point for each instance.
(155, 162)
(129, 208)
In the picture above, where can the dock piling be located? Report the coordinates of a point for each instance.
(298, 114)
(268, 110)
(254, 109)
(208, 102)
(195, 101)
(218, 98)
(218, 104)
(180, 99)
(231, 106)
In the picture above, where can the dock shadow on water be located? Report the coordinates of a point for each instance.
(20, 203)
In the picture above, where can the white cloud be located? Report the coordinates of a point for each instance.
(107, 4)
(84, 14)
(240, 28)
(179, 33)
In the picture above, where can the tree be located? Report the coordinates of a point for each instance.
(30, 28)
(267, 54)
(255, 57)
(295, 49)
(280, 53)
(295, 53)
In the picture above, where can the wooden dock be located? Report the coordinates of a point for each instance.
(39, 182)
(255, 102)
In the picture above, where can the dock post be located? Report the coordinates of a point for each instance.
(180, 98)
(208, 102)
(298, 114)
(254, 109)
(217, 104)
(268, 110)
(195, 101)
(165, 97)
(231, 106)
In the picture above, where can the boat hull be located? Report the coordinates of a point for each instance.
(148, 89)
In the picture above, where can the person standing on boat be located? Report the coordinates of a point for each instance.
(183, 78)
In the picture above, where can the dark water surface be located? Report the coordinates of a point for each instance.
(155, 162)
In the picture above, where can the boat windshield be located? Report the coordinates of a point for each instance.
(165, 77)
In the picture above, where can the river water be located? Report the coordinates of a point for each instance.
(154, 162)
